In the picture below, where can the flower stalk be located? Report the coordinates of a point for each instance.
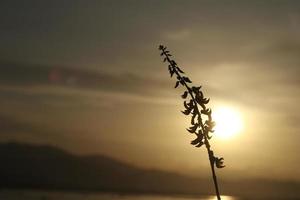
(195, 105)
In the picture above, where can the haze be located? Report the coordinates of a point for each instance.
(86, 76)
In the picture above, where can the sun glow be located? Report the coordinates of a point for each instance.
(228, 122)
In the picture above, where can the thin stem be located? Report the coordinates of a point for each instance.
(207, 145)
(214, 175)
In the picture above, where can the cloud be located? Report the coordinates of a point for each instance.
(34, 75)
(178, 35)
(60, 85)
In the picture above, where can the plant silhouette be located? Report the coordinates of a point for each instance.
(195, 105)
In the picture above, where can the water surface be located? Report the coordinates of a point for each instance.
(52, 195)
(46, 195)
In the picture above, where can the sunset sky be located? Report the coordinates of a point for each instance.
(86, 76)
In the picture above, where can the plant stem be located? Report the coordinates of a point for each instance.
(211, 157)
(207, 145)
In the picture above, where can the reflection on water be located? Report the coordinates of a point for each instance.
(223, 198)
(43, 195)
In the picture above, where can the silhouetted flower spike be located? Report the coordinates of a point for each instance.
(201, 127)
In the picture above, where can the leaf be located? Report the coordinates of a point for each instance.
(200, 132)
(208, 136)
(177, 83)
(171, 73)
(196, 89)
(199, 97)
(205, 131)
(200, 144)
(180, 70)
(185, 105)
(193, 118)
(195, 141)
(162, 53)
(187, 111)
(173, 62)
(171, 70)
(210, 123)
(205, 100)
(187, 79)
(184, 95)
(200, 135)
(198, 141)
(165, 59)
(189, 108)
(206, 112)
(219, 162)
(201, 94)
(191, 103)
(193, 129)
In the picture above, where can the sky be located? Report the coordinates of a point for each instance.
(86, 76)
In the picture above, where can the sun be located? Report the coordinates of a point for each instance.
(228, 122)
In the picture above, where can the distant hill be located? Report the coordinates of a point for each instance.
(29, 166)
(46, 167)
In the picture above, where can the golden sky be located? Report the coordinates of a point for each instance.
(86, 76)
